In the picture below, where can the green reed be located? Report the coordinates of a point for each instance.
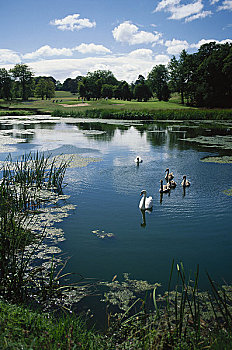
(156, 114)
(21, 182)
(183, 318)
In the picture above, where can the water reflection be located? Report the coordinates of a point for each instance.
(106, 195)
(143, 213)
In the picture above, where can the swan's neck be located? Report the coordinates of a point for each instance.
(144, 200)
(161, 186)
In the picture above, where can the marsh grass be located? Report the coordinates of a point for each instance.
(183, 318)
(20, 199)
(146, 114)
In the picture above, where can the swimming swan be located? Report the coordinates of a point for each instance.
(168, 176)
(185, 182)
(138, 160)
(164, 188)
(145, 202)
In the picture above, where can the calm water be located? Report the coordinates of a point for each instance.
(195, 227)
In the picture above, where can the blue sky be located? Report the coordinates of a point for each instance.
(129, 37)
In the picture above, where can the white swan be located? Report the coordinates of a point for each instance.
(185, 182)
(138, 160)
(145, 202)
(164, 188)
(168, 176)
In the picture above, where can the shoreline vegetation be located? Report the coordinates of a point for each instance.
(37, 303)
(68, 105)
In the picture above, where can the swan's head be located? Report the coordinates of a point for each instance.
(167, 170)
(161, 181)
(143, 192)
(184, 176)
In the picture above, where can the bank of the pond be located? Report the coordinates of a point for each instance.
(169, 114)
(15, 112)
(22, 328)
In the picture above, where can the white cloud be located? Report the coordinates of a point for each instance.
(226, 5)
(47, 51)
(206, 41)
(124, 67)
(141, 53)
(73, 22)
(161, 59)
(213, 2)
(129, 33)
(164, 4)
(178, 11)
(91, 48)
(9, 56)
(183, 11)
(202, 14)
(174, 47)
(75, 74)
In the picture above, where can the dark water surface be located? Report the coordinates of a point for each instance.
(194, 227)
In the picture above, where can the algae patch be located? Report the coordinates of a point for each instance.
(218, 141)
(218, 159)
(122, 294)
(102, 234)
(74, 160)
(228, 192)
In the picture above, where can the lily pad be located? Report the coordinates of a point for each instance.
(103, 234)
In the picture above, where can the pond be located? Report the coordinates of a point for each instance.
(192, 226)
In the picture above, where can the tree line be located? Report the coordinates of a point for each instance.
(19, 82)
(203, 79)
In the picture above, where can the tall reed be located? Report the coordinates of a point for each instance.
(22, 180)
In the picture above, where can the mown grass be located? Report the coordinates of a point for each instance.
(67, 104)
(63, 97)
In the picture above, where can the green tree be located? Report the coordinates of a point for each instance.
(158, 81)
(107, 91)
(5, 84)
(45, 88)
(142, 91)
(24, 76)
(82, 89)
(40, 88)
(50, 89)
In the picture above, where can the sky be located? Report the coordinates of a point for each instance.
(67, 38)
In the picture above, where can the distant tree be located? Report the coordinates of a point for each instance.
(107, 91)
(59, 86)
(50, 89)
(45, 88)
(70, 85)
(142, 92)
(24, 76)
(105, 76)
(126, 91)
(5, 84)
(40, 88)
(82, 89)
(158, 81)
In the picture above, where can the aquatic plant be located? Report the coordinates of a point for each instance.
(159, 114)
(27, 185)
(182, 318)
